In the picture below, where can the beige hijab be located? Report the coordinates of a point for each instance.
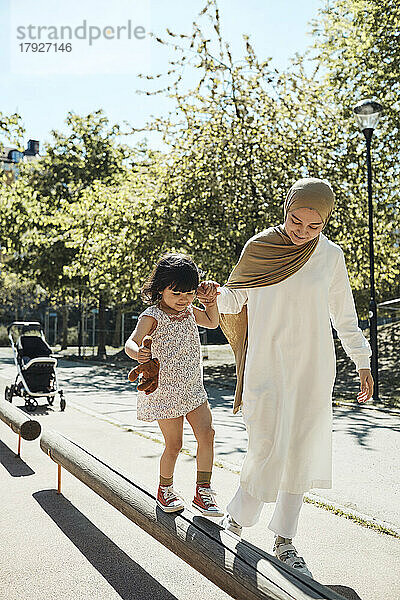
(270, 257)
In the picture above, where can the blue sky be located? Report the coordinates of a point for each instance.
(276, 30)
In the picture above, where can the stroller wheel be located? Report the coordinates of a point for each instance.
(62, 403)
(50, 400)
(31, 404)
(8, 394)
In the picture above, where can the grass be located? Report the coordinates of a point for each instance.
(352, 517)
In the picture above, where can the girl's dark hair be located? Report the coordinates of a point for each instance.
(176, 271)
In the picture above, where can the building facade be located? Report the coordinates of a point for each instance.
(10, 157)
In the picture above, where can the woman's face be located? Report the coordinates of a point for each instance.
(303, 225)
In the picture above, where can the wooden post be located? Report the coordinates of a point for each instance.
(19, 445)
(19, 421)
(237, 567)
(58, 479)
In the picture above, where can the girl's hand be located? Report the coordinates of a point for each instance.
(144, 354)
(207, 292)
(366, 385)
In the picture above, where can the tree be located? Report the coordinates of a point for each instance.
(238, 140)
(11, 129)
(112, 235)
(94, 211)
(357, 47)
(71, 164)
(18, 296)
(34, 204)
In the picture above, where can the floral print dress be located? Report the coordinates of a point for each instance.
(176, 344)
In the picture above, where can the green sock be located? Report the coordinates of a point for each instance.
(164, 481)
(203, 478)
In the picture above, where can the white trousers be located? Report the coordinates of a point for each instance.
(246, 511)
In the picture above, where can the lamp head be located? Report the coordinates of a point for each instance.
(367, 113)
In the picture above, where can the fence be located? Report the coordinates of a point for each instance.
(87, 323)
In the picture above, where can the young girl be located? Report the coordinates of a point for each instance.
(172, 321)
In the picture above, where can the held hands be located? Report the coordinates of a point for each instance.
(207, 293)
(366, 386)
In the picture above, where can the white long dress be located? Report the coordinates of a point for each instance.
(290, 372)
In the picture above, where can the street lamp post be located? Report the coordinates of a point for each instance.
(367, 113)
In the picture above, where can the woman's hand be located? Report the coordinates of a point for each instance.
(366, 385)
(144, 354)
(207, 292)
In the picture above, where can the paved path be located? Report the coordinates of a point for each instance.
(77, 547)
(366, 442)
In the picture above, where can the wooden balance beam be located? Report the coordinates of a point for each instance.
(237, 567)
(25, 427)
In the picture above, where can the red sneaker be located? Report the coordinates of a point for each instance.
(205, 502)
(168, 500)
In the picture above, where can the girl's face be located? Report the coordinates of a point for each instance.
(177, 300)
(303, 225)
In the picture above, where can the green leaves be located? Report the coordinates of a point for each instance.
(357, 44)
(238, 136)
(11, 130)
(49, 210)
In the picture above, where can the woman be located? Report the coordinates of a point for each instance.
(276, 310)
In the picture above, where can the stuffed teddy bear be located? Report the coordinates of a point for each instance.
(149, 371)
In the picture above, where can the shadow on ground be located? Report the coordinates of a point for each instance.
(246, 553)
(13, 463)
(362, 423)
(87, 377)
(243, 551)
(347, 381)
(7, 361)
(344, 591)
(126, 576)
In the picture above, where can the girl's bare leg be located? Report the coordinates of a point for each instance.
(172, 430)
(200, 420)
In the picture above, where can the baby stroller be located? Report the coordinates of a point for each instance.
(36, 368)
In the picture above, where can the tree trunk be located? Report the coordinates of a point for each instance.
(117, 330)
(101, 350)
(64, 334)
